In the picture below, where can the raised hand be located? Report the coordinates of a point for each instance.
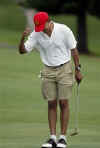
(26, 32)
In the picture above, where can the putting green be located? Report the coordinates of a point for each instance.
(23, 112)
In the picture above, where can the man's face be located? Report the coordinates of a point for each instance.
(47, 27)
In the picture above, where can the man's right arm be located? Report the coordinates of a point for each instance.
(22, 49)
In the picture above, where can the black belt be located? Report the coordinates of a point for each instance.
(56, 66)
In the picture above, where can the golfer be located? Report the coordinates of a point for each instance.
(56, 44)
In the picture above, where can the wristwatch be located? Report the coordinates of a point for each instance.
(78, 68)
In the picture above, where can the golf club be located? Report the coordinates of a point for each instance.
(76, 129)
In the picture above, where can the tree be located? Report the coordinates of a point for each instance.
(79, 8)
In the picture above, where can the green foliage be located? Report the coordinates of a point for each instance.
(44, 5)
(94, 8)
(6, 2)
(63, 6)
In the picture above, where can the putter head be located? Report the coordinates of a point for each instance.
(75, 132)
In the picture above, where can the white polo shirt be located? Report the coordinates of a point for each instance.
(54, 50)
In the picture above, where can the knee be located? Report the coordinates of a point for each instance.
(52, 104)
(63, 104)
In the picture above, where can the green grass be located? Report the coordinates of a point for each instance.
(12, 22)
(23, 112)
(12, 16)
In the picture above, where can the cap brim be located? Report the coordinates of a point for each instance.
(39, 28)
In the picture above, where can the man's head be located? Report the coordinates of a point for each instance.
(41, 21)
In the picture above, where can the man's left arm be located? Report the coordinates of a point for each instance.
(75, 55)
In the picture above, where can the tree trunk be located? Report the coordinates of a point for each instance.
(82, 32)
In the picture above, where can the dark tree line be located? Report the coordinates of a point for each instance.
(79, 8)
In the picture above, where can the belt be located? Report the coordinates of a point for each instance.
(58, 66)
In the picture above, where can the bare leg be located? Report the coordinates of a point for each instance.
(52, 116)
(64, 115)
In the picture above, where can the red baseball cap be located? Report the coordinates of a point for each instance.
(40, 19)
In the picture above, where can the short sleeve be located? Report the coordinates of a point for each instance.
(70, 39)
(31, 42)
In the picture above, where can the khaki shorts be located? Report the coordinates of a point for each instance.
(57, 82)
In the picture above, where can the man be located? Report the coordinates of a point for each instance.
(56, 44)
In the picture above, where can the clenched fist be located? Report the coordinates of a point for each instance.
(26, 32)
(78, 76)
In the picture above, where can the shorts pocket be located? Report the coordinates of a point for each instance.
(48, 73)
(67, 78)
(48, 89)
(68, 68)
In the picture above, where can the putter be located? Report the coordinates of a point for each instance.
(76, 129)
